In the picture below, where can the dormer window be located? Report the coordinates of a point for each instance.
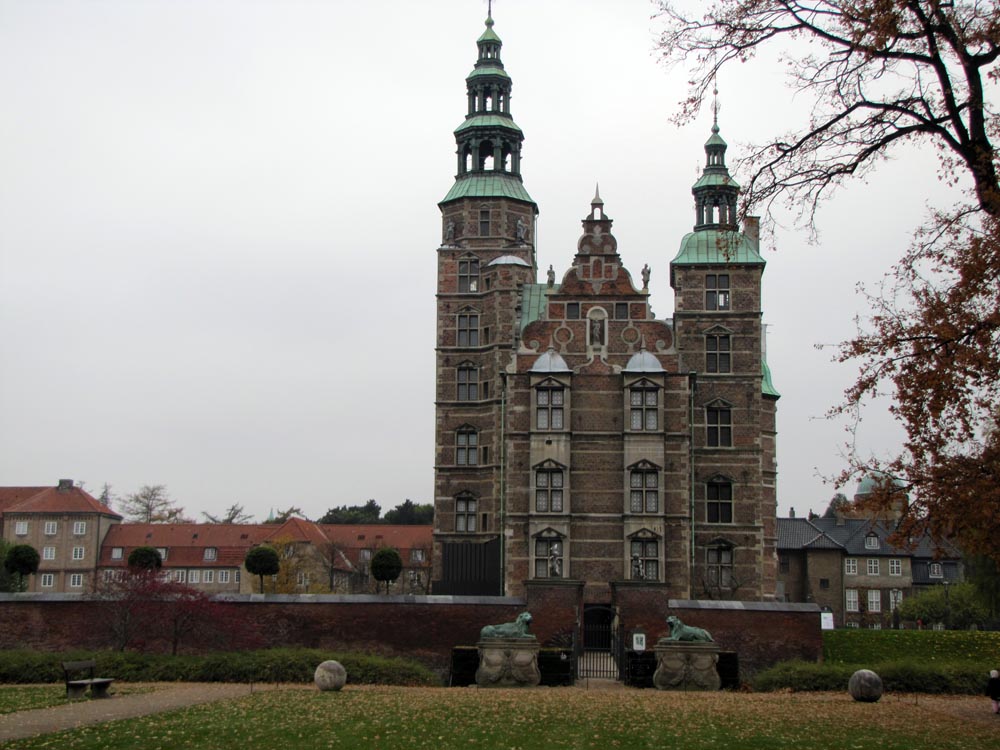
(871, 541)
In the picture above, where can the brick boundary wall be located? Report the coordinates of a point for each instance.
(426, 628)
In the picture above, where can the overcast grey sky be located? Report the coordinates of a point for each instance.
(218, 225)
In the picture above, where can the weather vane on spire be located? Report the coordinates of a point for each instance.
(715, 106)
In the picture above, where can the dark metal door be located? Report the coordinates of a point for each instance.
(599, 645)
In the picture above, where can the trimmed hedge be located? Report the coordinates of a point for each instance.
(849, 646)
(272, 665)
(966, 678)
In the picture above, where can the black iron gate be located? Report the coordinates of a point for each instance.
(599, 644)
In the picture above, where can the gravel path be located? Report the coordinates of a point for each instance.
(164, 697)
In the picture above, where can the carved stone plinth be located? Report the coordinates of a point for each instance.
(685, 665)
(508, 662)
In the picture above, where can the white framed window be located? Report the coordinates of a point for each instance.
(873, 566)
(548, 557)
(851, 566)
(644, 407)
(48, 580)
(365, 554)
(180, 576)
(895, 598)
(21, 528)
(871, 541)
(79, 528)
(51, 528)
(935, 570)
(644, 488)
(209, 576)
(223, 576)
(78, 553)
(548, 490)
(194, 576)
(417, 555)
(302, 579)
(465, 514)
(851, 600)
(163, 553)
(211, 553)
(117, 553)
(874, 600)
(48, 553)
(895, 567)
(851, 625)
(645, 559)
(76, 580)
(875, 626)
(237, 576)
(107, 575)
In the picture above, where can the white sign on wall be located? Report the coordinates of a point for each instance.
(826, 620)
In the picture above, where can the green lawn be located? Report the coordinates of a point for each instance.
(544, 718)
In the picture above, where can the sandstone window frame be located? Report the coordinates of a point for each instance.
(548, 555)
(719, 500)
(645, 486)
(467, 382)
(466, 507)
(643, 405)
(644, 551)
(466, 446)
(468, 275)
(718, 351)
(551, 404)
(467, 328)
(719, 424)
(549, 488)
(717, 292)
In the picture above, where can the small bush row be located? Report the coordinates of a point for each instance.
(966, 678)
(272, 665)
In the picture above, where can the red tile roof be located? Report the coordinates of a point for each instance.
(374, 536)
(185, 542)
(60, 500)
(298, 530)
(14, 495)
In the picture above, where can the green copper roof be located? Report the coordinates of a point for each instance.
(488, 185)
(766, 386)
(715, 140)
(533, 301)
(489, 35)
(488, 70)
(717, 246)
(487, 121)
(714, 179)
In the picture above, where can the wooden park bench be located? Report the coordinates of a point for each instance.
(76, 688)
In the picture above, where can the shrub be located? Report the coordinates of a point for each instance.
(877, 646)
(272, 665)
(909, 676)
(386, 566)
(147, 558)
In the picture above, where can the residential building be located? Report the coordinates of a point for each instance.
(579, 438)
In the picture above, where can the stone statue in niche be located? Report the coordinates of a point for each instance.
(449, 232)
(645, 276)
(551, 276)
(522, 231)
(596, 332)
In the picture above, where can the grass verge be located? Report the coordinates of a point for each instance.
(392, 717)
(27, 697)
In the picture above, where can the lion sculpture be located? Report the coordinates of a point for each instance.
(681, 632)
(516, 629)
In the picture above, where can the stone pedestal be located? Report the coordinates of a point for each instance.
(508, 662)
(685, 665)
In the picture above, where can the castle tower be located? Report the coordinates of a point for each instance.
(486, 255)
(716, 276)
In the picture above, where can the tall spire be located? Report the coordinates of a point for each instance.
(715, 192)
(488, 141)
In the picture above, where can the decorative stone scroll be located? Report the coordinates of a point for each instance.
(686, 665)
(508, 662)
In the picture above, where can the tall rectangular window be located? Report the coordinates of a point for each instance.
(468, 275)
(645, 563)
(465, 514)
(720, 426)
(194, 576)
(717, 291)
(468, 329)
(720, 566)
(549, 404)
(76, 581)
(572, 310)
(468, 383)
(48, 580)
(48, 553)
(643, 407)
(223, 576)
(621, 310)
(717, 354)
(549, 491)
(644, 492)
(548, 558)
(79, 528)
(873, 566)
(851, 599)
(21, 528)
(874, 600)
(51, 527)
(719, 505)
(209, 576)
(180, 576)
(78, 553)
(895, 567)
(484, 222)
(466, 448)
(851, 566)
(895, 598)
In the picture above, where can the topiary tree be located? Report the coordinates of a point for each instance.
(21, 560)
(145, 558)
(386, 566)
(262, 561)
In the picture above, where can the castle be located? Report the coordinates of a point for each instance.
(579, 439)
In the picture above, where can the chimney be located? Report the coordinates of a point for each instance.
(791, 512)
(65, 484)
(751, 230)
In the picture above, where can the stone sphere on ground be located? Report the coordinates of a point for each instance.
(330, 675)
(865, 686)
